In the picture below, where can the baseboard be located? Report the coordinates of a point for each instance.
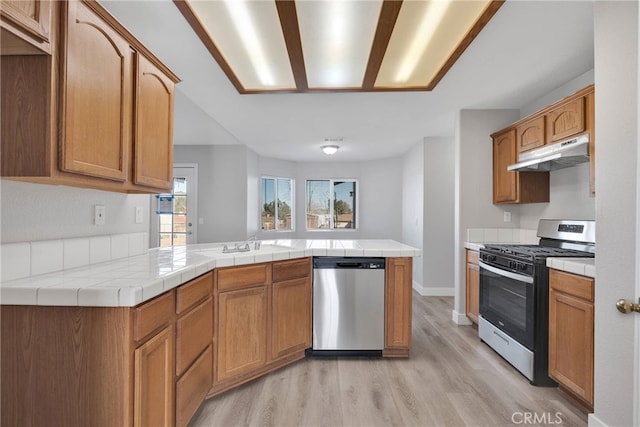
(593, 421)
(460, 318)
(433, 292)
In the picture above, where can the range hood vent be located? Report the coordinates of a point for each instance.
(560, 155)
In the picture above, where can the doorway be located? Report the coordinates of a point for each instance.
(173, 221)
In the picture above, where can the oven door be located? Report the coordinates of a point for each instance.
(507, 301)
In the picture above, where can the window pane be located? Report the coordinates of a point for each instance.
(166, 223)
(165, 240)
(179, 239)
(180, 204)
(179, 224)
(318, 204)
(179, 185)
(284, 204)
(344, 204)
(268, 214)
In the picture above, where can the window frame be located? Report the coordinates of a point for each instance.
(332, 227)
(292, 206)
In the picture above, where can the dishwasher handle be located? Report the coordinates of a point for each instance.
(349, 263)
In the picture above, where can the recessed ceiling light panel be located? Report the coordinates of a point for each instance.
(249, 37)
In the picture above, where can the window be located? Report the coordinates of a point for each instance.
(277, 204)
(331, 204)
(173, 224)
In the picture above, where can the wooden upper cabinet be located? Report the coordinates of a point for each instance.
(96, 117)
(515, 187)
(26, 27)
(504, 154)
(566, 120)
(153, 144)
(530, 135)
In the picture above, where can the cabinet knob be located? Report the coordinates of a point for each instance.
(625, 306)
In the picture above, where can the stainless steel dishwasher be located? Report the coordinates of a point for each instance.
(348, 306)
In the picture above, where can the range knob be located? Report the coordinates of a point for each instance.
(522, 267)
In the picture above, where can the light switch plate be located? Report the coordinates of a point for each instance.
(139, 213)
(507, 216)
(99, 215)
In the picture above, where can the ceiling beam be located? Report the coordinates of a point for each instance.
(386, 22)
(289, 23)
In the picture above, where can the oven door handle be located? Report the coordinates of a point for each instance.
(509, 274)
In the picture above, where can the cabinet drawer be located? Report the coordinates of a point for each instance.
(572, 284)
(151, 315)
(192, 388)
(242, 277)
(194, 332)
(293, 269)
(472, 257)
(193, 292)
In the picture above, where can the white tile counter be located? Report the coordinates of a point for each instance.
(132, 280)
(581, 266)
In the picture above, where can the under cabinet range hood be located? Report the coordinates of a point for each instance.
(559, 155)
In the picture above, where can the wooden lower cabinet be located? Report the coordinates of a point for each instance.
(291, 313)
(242, 332)
(473, 286)
(193, 386)
(153, 381)
(571, 341)
(397, 301)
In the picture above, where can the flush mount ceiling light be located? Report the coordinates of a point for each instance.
(336, 45)
(329, 149)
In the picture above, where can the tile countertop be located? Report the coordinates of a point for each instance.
(581, 266)
(127, 282)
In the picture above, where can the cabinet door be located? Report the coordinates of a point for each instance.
(242, 332)
(291, 317)
(154, 381)
(192, 388)
(194, 332)
(153, 144)
(26, 25)
(530, 134)
(398, 287)
(566, 120)
(96, 105)
(473, 291)
(505, 183)
(571, 343)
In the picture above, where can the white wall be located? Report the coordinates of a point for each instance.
(413, 207)
(616, 34)
(438, 216)
(222, 189)
(33, 212)
(473, 186)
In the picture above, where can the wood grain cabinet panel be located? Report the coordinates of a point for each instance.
(192, 388)
(194, 332)
(473, 286)
(571, 339)
(242, 277)
(530, 134)
(26, 27)
(566, 120)
(96, 106)
(193, 292)
(152, 315)
(515, 187)
(291, 311)
(153, 144)
(398, 300)
(154, 381)
(242, 332)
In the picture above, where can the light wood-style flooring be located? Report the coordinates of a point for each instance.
(451, 379)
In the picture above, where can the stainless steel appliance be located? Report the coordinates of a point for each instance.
(554, 156)
(514, 293)
(348, 305)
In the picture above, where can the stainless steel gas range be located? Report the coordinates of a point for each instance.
(514, 293)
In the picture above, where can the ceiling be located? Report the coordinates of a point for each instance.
(524, 52)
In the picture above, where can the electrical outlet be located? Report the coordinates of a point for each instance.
(139, 213)
(99, 215)
(507, 216)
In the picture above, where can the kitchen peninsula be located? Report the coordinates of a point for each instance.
(145, 339)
